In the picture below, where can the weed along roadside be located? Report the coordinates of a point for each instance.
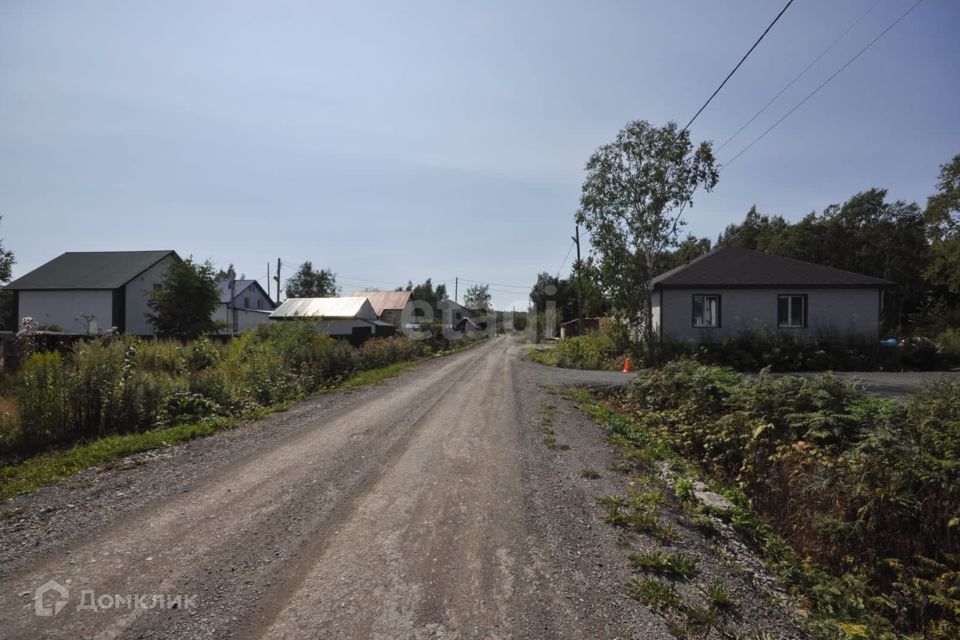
(852, 502)
(111, 398)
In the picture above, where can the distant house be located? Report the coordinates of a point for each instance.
(388, 305)
(351, 317)
(246, 306)
(731, 290)
(91, 291)
(453, 314)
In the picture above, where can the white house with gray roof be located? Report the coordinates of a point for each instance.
(91, 291)
(243, 305)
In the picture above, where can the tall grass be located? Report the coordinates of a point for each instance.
(123, 385)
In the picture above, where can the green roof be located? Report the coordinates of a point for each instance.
(90, 270)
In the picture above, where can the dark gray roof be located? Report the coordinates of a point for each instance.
(238, 288)
(731, 267)
(90, 270)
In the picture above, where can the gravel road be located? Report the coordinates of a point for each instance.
(427, 507)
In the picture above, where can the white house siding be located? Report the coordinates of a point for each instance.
(839, 313)
(137, 295)
(65, 308)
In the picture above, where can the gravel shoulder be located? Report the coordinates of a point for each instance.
(427, 507)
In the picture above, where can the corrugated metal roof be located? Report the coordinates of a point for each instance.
(735, 267)
(90, 270)
(384, 300)
(347, 307)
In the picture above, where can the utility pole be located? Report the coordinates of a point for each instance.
(278, 280)
(456, 287)
(576, 239)
(269, 284)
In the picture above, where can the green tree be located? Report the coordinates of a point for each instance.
(942, 218)
(559, 291)
(477, 297)
(631, 202)
(427, 293)
(307, 282)
(7, 312)
(183, 303)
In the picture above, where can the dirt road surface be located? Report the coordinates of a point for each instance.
(427, 507)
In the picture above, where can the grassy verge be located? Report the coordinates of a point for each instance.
(796, 457)
(548, 356)
(47, 468)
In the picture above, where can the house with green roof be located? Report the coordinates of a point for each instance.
(91, 291)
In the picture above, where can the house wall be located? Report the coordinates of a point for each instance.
(337, 327)
(246, 318)
(251, 296)
(64, 308)
(839, 313)
(137, 293)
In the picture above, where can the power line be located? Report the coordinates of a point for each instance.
(730, 75)
(823, 84)
(567, 257)
(497, 284)
(801, 74)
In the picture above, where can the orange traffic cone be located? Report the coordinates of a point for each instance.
(626, 365)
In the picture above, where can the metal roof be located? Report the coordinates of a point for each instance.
(732, 267)
(347, 307)
(90, 270)
(384, 300)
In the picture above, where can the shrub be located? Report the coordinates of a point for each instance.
(867, 488)
(383, 352)
(592, 351)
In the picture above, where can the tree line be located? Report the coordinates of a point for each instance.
(636, 190)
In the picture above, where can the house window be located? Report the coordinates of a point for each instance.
(259, 303)
(792, 311)
(706, 311)
(246, 303)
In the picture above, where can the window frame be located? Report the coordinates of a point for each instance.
(693, 310)
(803, 314)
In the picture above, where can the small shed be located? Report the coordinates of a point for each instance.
(351, 317)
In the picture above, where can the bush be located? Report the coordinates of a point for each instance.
(383, 352)
(867, 488)
(592, 351)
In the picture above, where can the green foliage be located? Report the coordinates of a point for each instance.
(183, 303)
(592, 351)
(307, 282)
(943, 224)
(631, 200)
(41, 386)
(653, 593)
(123, 385)
(719, 598)
(865, 488)
(753, 350)
(381, 352)
(477, 297)
(6, 263)
(668, 565)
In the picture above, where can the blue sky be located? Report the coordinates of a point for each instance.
(399, 141)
